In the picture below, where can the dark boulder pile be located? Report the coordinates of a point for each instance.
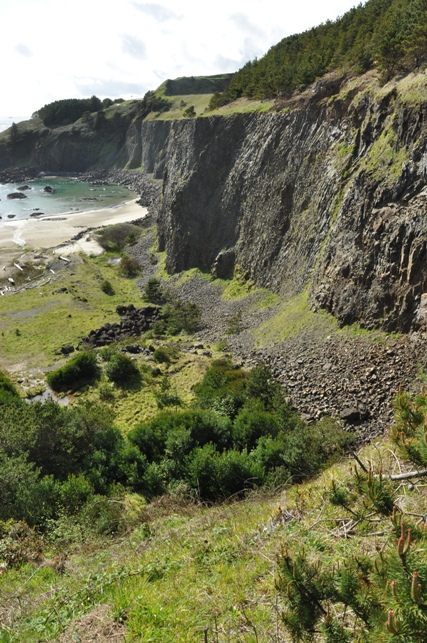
(133, 322)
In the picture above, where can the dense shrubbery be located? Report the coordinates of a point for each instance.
(79, 371)
(67, 111)
(7, 389)
(391, 34)
(240, 434)
(240, 424)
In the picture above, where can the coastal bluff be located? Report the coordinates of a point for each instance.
(327, 192)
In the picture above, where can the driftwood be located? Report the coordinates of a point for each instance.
(420, 473)
(407, 476)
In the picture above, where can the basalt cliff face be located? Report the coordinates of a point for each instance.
(327, 193)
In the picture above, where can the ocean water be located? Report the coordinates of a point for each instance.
(69, 195)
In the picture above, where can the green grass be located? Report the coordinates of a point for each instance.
(294, 316)
(135, 405)
(243, 106)
(37, 322)
(184, 569)
(180, 104)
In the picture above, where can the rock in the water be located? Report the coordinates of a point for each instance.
(16, 195)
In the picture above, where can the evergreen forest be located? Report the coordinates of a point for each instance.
(390, 35)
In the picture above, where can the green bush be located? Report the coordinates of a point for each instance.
(153, 292)
(129, 267)
(218, 476)
(7, 389)
(122, 370)
(74, 493)
(162, 355)
(181, 316)
(114, 238)
(249, 426)
(107, 288)
(79, 371)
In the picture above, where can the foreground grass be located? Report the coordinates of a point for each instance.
(184, 569)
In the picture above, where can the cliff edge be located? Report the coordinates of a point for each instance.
(326, 192)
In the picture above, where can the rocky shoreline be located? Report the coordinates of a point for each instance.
(144, 185)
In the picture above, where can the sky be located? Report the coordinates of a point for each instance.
(55, 49)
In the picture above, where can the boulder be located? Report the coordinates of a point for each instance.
(48, 189)
(223, 266)
(67, 349)
(16, 195)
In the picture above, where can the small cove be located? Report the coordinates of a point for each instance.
(63, 195)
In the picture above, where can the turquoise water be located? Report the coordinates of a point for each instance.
(70, 195)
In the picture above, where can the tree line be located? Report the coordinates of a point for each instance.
(69, 110)
(390, 35)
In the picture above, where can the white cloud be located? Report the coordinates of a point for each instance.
(134, 47)
(23, 50)
(61, 49)
(157, 11)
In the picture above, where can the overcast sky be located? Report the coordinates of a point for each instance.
(53, 49)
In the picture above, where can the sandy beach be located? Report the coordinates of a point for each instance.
(48, 232)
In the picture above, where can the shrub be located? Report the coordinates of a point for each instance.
(222, 388)
(249, 426)
(181, 316)
(7, 389)
(19, 544)
(107, 288)
(114, 238)
(218, 476)
(190, 112)
(79, 371)
(166, 397)
(162, 355)
(122, 370)
(129, 267)
(74, 493)
(153, 292)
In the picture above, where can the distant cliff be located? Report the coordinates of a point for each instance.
(327, 193)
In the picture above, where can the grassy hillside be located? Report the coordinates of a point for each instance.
(105, 560)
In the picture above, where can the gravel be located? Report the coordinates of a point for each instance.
(354, 379)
